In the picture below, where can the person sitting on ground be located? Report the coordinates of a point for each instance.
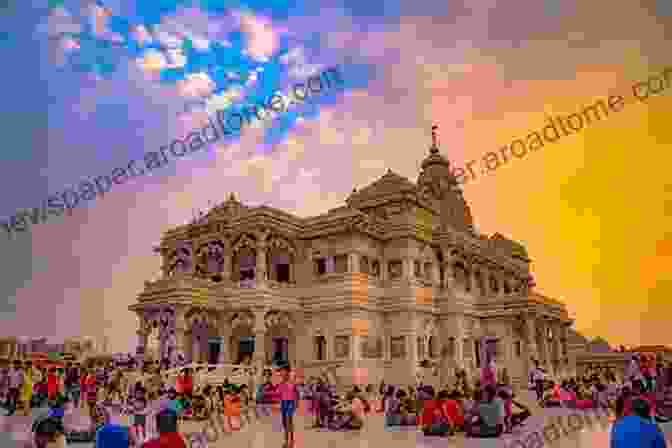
(487, 419)
(455, 409)
(352, 414)
(408, 408)
(551, 397)
(637, 430)
(47, 432)
(169, 437)
(435, 420)
(392, 407)
(114, 436)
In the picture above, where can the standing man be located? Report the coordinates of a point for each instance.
(538, 375)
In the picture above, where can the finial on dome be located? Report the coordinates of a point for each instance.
(434, 149)
(232, 197)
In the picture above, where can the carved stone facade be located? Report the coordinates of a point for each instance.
(396, 276)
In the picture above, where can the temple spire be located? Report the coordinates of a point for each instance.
(434, 149)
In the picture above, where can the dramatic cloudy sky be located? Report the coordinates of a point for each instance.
(90, 85)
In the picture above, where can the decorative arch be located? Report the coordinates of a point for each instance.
(281, 243)
(278, 318)
(281, 258)
(210, 259)
(179, 261)
(242, 319)
(245, 240)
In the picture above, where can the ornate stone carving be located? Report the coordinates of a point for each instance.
(244, 318)
(179, 261)
(277, 318)
(279, 243)
(244, 241)
(210, 258)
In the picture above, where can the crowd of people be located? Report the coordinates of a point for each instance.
(156, 404)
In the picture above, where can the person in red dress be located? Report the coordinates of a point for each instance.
(169, 437)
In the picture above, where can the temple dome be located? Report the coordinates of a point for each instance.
(390, 183)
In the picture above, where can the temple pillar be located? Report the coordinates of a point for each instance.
(473, 279)
(531, 342)
(353, 262)
(407, 268)
(180, 333)
(261, 273)
(500, 282)
(227, 264)
(259, 356)
(435, 275)
(302, 343)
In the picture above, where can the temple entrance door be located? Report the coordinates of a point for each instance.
(280, 350)
(245, 348)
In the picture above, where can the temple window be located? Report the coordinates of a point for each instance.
(507, 287)
(341, 264)
(247, 263)
(281, 267)
(417, 269)
(395, 269)
(320, 348)
(320, 266)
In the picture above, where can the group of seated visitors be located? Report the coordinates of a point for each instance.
(442, 414)
(488, 412)
(400, 408)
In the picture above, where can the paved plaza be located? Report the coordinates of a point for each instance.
(267, 433)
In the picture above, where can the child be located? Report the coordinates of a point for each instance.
(288, 402)
(140, 410)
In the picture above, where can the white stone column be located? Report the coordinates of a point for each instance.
(353, 262)
(259, 356)
(227, 266)
(436, 274)
(485, 276)
(407, 268)
(261, 274)
(355, 340)
(475, 288)
(225, 331)
(303, 351)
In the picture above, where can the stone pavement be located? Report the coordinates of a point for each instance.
(267, 432)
